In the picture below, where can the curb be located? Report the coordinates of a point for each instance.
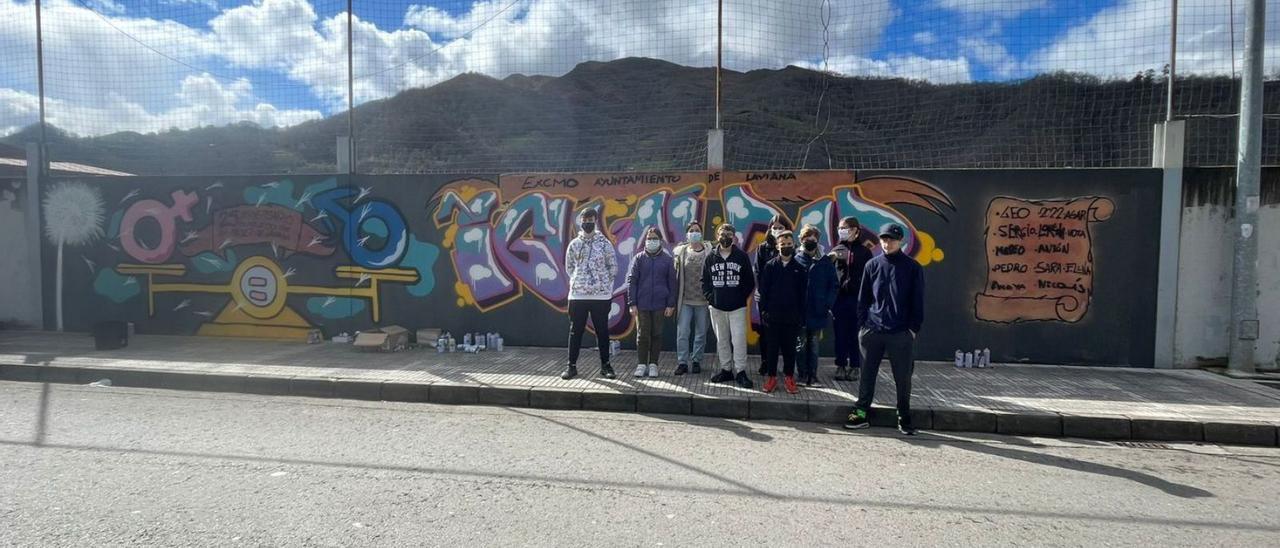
(1032, 423)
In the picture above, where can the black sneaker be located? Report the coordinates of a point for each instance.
(842, 374)
(857, 420)
(854, 373)
(569, 372)
(681, 369)
(906, 429)
(743, 380)
(606, 371)
(724, 375)
(697, 368)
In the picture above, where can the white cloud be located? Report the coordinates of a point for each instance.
(990, 54)
(210, 4)
(1133, 36)
(992, 8)
(202, 100)
(924, 38)
(106, 6)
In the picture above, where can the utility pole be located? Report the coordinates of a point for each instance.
(1173, 62)
(351, 95)
(44, 133)
(715, 137)
(1244, 281)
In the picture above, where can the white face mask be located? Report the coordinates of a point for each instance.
(652, 245)
(844, 233)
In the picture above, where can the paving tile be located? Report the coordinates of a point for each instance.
(1092, 401)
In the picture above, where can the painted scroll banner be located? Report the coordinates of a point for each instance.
(1039, 259)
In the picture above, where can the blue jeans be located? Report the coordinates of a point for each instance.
(698, 316)
(807, 353)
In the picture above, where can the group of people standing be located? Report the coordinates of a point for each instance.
(873, 304)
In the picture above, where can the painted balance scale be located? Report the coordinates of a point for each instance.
(259, 289)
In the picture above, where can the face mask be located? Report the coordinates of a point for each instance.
(652, 245)
(588, 227)
(810, 245)
(844, 233)
(694, 237)
(787, 250)
(726, 241)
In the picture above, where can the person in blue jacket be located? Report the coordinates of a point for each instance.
(651, 296)
(890, 311)
(819, 297)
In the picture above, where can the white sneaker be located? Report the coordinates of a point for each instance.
(653, 370)
(640, 369)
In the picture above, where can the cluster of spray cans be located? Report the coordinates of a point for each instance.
(977, 358)
(471, 343)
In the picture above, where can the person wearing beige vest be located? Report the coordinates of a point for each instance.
(692, 315)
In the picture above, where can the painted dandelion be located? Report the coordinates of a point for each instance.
(73, 215)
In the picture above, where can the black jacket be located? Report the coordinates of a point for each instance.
(849, 271)
(728, 282)
(891, 298)
(782, 292)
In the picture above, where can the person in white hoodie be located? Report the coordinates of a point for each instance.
(592, 268)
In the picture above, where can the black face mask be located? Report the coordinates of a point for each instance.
(726, 241)
(810, 245)
(588, 227)
(787, 250)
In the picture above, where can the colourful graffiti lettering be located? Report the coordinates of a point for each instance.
(165, 216)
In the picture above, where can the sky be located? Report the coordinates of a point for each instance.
(152, 65)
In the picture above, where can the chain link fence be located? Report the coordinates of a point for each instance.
(264, 86)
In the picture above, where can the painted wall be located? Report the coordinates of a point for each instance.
(19, 300)
(1029, 263)
(1205, 268)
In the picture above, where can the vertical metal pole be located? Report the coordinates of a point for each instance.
(351, 95)
(44, 136)
(719, 54)
(1244, 281)
(1173, 61)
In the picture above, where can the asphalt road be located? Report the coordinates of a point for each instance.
(116, 466)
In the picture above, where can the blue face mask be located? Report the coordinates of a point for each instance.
(652, 245)
(693, 237)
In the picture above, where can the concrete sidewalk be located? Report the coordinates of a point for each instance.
(1083, 402)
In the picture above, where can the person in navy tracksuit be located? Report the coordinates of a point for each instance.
(819, 297)
(890, 312)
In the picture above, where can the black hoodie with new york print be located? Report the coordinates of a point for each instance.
(729, 281)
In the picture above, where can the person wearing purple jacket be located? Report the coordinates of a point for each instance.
(651, 295)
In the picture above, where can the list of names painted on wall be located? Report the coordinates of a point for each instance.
(1039, 259)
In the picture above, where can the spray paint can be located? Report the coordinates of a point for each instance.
(498, 342)
(466, 339)
(959, 358)
(986, 358)
(968, 359)
(615, 346)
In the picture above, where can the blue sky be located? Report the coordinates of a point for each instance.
(147, 65)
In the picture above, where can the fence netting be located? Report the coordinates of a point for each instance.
(263, 86)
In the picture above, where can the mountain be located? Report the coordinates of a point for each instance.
(646, 114)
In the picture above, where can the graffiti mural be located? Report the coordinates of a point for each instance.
(248, 246)
(508, 239)
(1010, 264)
(1039, 259)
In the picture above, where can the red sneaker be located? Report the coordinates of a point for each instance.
(770, 383)
(790, 383)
